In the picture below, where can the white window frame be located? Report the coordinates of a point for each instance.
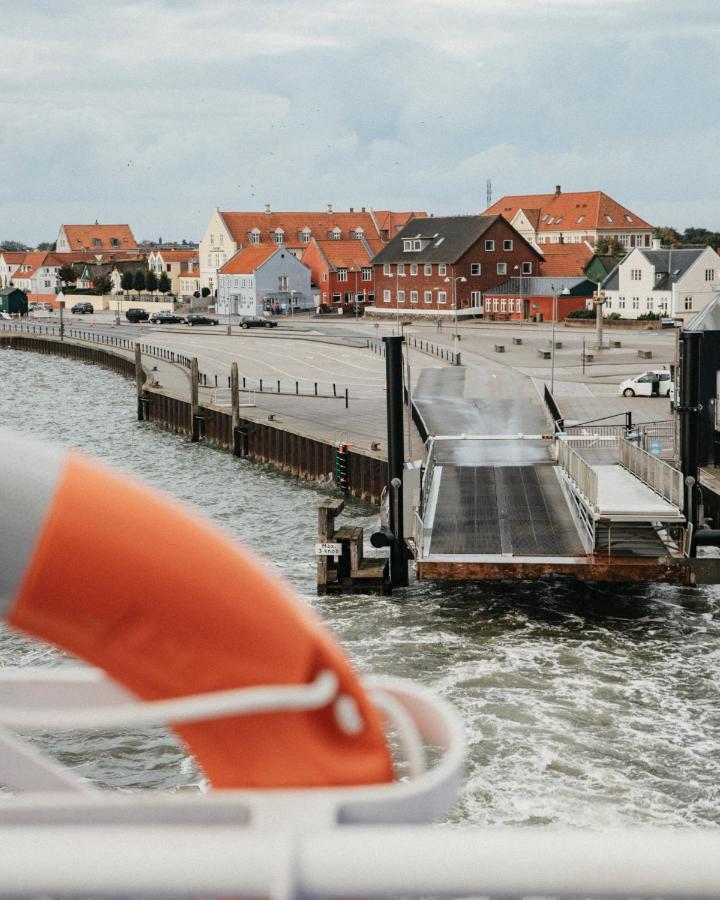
(407, 246)
(507, 244)
(386, 296)
(489, 246)
(442, 269)
(413, 268)
(401, 296)
(401, 269)
(709, 274)
(387, 269)
(366, 275)
(414, 297)
(342, 274)
(526, 269)
(442, 296)
(475, 269)
(501, 268)
(427, 269)
(427, 298)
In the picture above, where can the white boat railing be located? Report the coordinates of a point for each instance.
(579, 471)
(68, 840)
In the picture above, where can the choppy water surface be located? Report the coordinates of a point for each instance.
(585, 706)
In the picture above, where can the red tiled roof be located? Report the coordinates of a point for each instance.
(33, 298)
(394, 222)
(12, 256)
(240, 224)
(564, 260)
(177, 255)
(81, 237)
(247, 260)
(575, 211)
(194, 274)
(351, 255)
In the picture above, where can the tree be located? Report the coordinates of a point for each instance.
(205, 292)
(667, 236)
(47, 245)
(14, 246)
(127, 280)
(164, 283)
(609, 246)
(151, 281)
(67, 274)
(139, 280)
(102, 284)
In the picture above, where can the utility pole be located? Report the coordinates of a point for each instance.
(599, 299)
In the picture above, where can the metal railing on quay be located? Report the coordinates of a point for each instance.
(664, 479)
(321, 390)
(579, 471)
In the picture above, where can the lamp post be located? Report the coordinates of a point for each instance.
(453, 280)
(598, 299)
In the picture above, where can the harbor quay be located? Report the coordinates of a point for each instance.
(521, 456)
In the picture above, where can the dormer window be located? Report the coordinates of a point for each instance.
(97, 242)
(336, 234)
(254, 236)
(608, 219)
(278, 236)
(114, 242)
(305, 235)
(358, 234)
(628, 218)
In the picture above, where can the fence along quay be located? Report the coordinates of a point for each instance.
(251, 436)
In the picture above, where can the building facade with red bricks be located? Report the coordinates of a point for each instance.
(342, 273)
(442, 263)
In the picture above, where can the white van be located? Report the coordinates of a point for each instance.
(642, 385)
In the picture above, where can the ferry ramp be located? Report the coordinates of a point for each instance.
(503, 498)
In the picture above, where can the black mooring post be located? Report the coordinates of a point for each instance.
(396, 457)
(689, 411)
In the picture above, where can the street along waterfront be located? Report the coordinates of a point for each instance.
(585, 706)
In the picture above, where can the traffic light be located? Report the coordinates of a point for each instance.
(342, 467)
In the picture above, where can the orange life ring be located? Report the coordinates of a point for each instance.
(163, 602)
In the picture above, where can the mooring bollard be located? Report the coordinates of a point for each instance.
(346, 398)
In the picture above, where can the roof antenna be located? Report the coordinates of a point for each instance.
(489, 192)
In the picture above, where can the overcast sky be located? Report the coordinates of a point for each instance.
(153, 112)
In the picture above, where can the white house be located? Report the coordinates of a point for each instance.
(263, 279)
(38, 273)
(9, 264)
(672, 283)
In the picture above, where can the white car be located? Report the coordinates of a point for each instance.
(642, 385)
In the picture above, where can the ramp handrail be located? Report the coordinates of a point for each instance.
(580, 471)
(656, 474)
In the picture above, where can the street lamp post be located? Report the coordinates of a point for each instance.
(453, 280)
(599, 299)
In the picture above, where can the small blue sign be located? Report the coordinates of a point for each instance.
(656, 448)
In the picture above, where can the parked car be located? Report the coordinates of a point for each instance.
(257, 322)
(164, 317)
(200, 319)
(46, 304)
(642, 385)
(136, 314)
(82, 308)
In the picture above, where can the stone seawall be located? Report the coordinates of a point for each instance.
(298, 454)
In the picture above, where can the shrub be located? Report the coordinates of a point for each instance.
(649, 317)
(582, 314)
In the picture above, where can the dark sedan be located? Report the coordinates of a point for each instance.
(163, 317)
(256, 322)
(200, 319)
(82, 308)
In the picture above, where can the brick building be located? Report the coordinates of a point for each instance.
(436, 261)
(342, 272)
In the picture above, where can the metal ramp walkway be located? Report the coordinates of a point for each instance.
(493, 510)
(497, 503)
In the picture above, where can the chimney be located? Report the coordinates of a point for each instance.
(268, 210)
(328, 208)
(351, 209)
(656, 243)
(363, 209)
(557, 190)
